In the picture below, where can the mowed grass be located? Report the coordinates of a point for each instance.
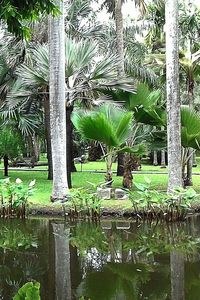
(42, 194)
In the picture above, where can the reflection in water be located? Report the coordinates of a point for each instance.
(177, 275)
(61, 261)
(111, 260)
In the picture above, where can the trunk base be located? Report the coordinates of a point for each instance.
(120, 164)
(127, 179)
(108, 179)
(188, 182)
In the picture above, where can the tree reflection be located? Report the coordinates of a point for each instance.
(139, 262)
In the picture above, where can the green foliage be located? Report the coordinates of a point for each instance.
(154, 204)
(83, 203)
(17, 13)
(88, 235)
(14, 197)
(105, 124)
(11, 143)
(29, 291)
(190, 124)
(15, 239)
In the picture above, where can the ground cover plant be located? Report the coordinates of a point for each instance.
(82, 180)
(14, 197)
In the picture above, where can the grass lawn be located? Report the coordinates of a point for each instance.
(42, 194)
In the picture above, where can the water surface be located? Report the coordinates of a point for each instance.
(112, 260)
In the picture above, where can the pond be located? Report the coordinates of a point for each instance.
(115, 259)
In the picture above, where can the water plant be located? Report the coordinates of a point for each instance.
(153, 204)
(14, 197)
(83, 203)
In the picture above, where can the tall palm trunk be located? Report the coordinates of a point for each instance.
(58, 103)
(48, 136)
(119, 36)
(109, 161)
(155, 158)
(120, 52)
(69, 145)
(188, 181)
(173, 99)
(163, 161)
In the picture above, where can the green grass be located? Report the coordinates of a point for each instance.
(42, 194)
(100, 166)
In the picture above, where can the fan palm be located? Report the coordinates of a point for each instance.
(87, 77)
(109, 126)
(146, 111)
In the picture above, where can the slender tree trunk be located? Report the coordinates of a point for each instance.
(119, 36)
(155, 158)
(163, 161)
(35, 150)
(120, 164)
(6, 164)
(58, 103)
(177, 275)
(173, 99)
(194, 160)
(163, 152)
(127, 177)
(69, 145)
(120, 52)
(109, 161)
(48, 137)
(188, 181)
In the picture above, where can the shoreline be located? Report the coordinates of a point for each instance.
(52, 211)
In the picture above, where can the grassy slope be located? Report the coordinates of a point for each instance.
(44, 186)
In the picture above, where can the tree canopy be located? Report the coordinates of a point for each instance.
(17, 13)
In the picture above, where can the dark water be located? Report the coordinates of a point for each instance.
(114, 260)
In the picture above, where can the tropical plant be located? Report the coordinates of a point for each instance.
(83, 204)
(153, 204)
(87, 79)
(16, 14)
(14, 197)
(30, 290)
(109, 126)
(15, 239)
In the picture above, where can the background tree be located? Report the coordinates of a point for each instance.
(11, 147)
(58, 103)
(17, 14)
(173, 97)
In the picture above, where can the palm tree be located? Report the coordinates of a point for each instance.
(190, 65)
(87, 80)
(58, 103)
(109, 126)
(173, 99)
(115, 7)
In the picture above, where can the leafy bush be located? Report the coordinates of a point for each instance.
(83, 203)
(14, 197)
(29, 291)
(154, 204)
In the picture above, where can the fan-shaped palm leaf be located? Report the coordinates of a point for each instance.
(190, 125)
(107, 125)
